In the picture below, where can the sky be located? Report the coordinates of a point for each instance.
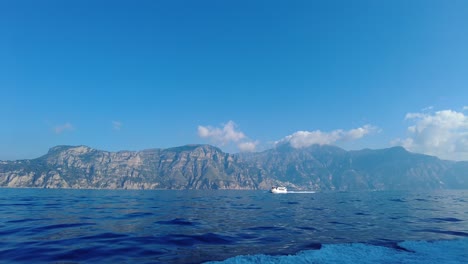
(240, 75)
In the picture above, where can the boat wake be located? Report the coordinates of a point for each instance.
(420, 252)
(300, 192)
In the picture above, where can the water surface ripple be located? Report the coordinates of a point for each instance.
(195, 226)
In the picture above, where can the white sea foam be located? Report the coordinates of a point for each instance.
(450, 251)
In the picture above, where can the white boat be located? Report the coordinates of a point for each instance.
(277, 189)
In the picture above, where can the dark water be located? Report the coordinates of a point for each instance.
(197, 226)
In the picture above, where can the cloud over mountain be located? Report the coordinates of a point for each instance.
(302, 139)
(247, 146)
(224, 135)
(228, 133)
(443, 134)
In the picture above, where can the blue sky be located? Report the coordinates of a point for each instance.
(242, 75)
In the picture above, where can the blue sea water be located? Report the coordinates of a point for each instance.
(107, 226)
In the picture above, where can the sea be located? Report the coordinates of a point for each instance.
(229, 226)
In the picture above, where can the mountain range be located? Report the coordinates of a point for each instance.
(318, 168)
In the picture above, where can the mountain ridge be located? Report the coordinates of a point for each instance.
(202, 166)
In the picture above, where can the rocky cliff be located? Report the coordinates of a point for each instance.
(207, 167)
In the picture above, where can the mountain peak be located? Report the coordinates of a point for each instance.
(397, 149)
(316, 167)
(194, 147)
(81, 149)
(67, 147)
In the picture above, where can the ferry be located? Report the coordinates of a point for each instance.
(277, 189)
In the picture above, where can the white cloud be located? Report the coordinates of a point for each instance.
(301, 139)
(224, 135)
(426, 109)
(116, 125)
(228, 134)
(443, 134)
(248, 146)
(465, 108)
(358, 133)
(59, 129)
